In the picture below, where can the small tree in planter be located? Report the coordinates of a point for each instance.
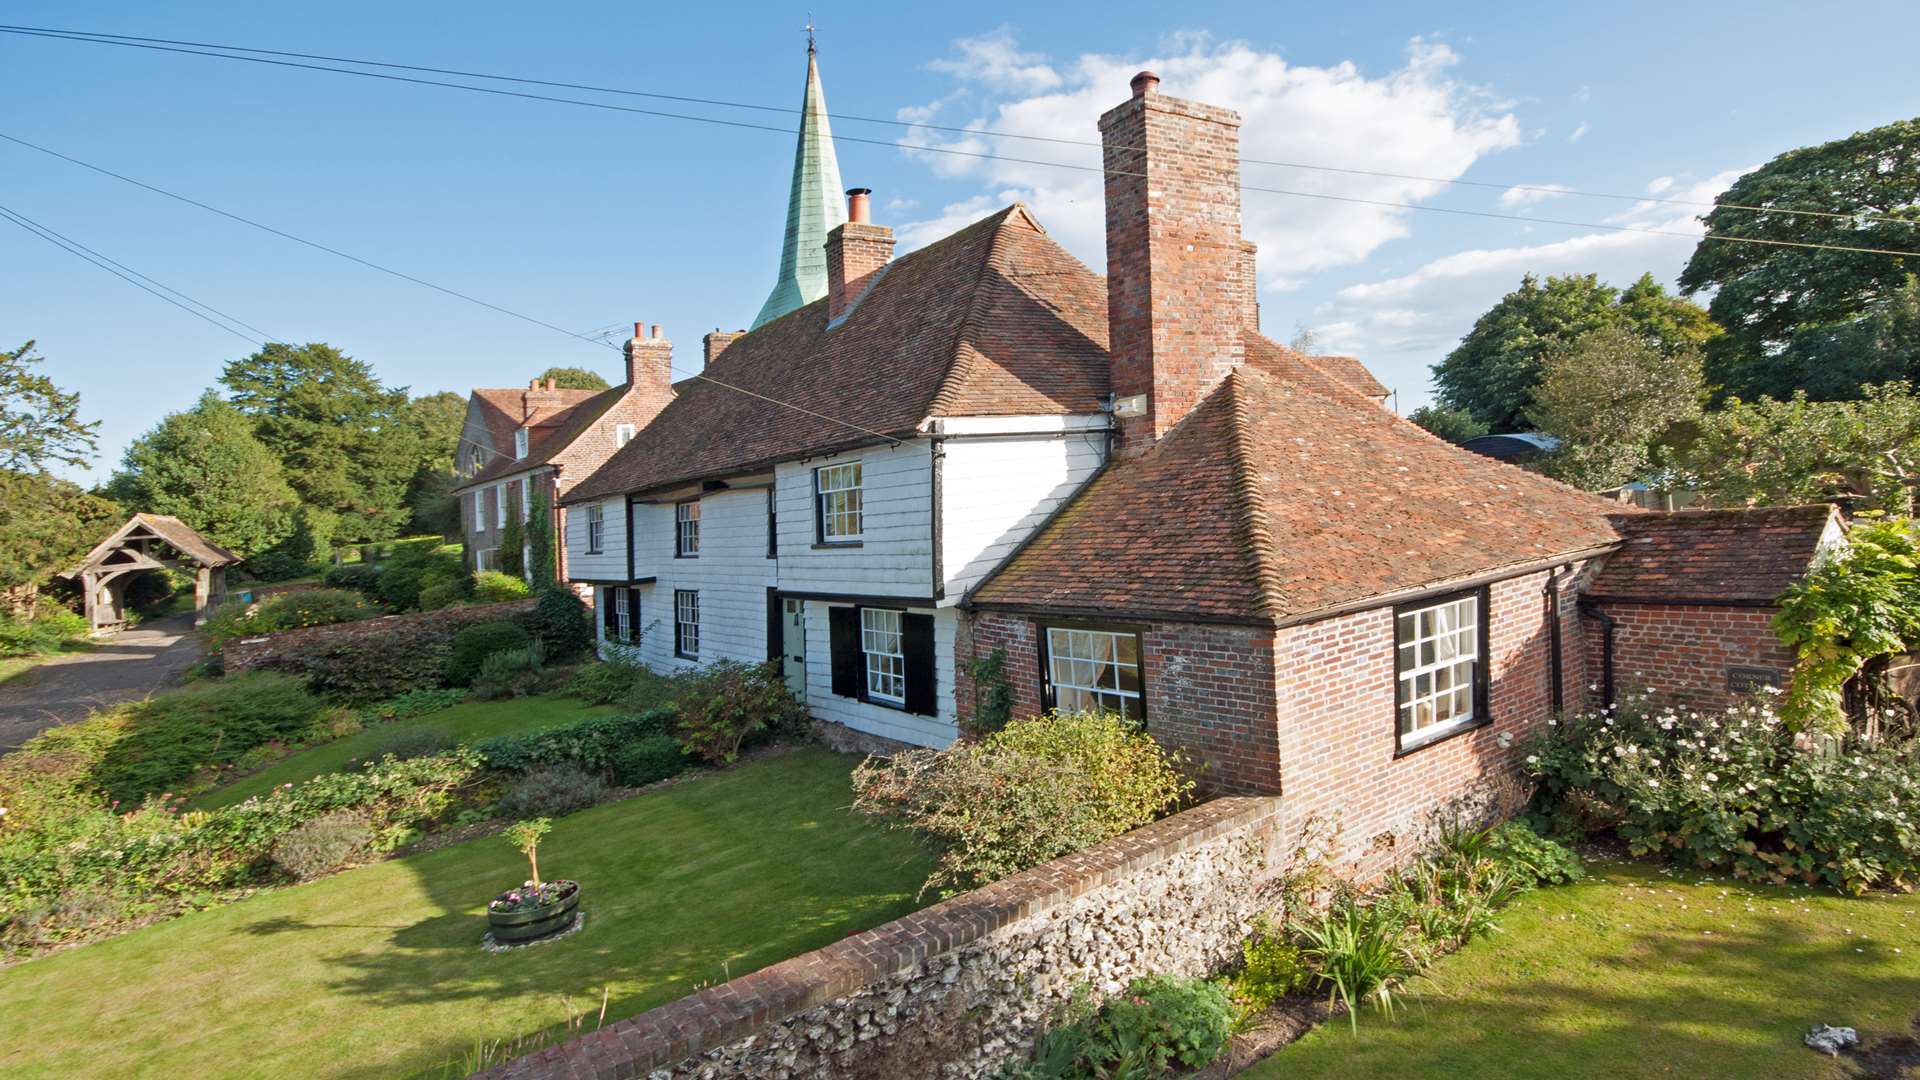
(538, 908)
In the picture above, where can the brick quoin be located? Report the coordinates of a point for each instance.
(1680, 653)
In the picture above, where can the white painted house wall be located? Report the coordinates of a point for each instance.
(895, 555)
(996, 491)
(610, 563)
(732, 574)
(872, 717)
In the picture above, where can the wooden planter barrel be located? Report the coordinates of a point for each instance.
(532, 924)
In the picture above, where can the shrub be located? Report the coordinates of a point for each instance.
(410, 743)
(605, 682)
(510, 673)
(1736, 791)
(653, 758)
(159, 742)
(561, 622)
(1271, 968)
(317, 848)
(593, 744)
(286, 611)
(1041, 788)
(1360, 954)
(51, 628)
(474, 644)
(1159, 1023)
(441, 594)
(493, 586)
(551, 791)
(724, 703)
(399, 585)
(417, 703)
(1532, 859)
(361, 577)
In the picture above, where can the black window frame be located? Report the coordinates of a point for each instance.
(679, 636)
(679, 551)
(1482, 690)
(820, 539)
(1043, 649)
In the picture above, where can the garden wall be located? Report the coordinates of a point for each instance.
(964, 987)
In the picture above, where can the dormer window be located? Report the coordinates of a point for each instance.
(622, 435)
(474, 458)
(520, 444)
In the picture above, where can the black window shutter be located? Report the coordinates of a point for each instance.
(849, 679)
(607, 616)
(916, 642)
(776, 626)
(633, 615)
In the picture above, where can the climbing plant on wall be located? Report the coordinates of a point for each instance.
(1854, 611)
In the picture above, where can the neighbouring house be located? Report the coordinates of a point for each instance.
(516, 445)
(1123, 489)
(149, 542)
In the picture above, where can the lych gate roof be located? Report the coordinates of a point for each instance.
(176, 533)
(1747, 556)
(814, 208)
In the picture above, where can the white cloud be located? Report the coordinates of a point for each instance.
(996, 59)
(1659, 184)
(1529, 194)
(1417, 119)
(1580, 132)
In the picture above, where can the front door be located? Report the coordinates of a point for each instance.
(793, 646)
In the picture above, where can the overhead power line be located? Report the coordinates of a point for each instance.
(135, 278)
(134, 41)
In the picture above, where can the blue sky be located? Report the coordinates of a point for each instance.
(586, 218)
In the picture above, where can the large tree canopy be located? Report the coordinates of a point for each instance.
(46, 525)
(344, 441)
(1779, 453)
(205, 467)
(1609, 397)
(1765, 293)
(573, 378)
(1492, 374)
(39, 422)
(436, 420)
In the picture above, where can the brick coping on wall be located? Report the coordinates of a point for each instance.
(721, 1014)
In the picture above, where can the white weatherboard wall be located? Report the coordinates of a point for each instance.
(895, 555)
(732, 574)
(610, 564)
(996, 491)
(936, 731)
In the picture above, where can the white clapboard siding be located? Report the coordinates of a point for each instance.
(895, 555)
(995, 492)
(935, 731)
(732, 574)
(610, 563)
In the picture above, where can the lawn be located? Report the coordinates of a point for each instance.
(469, 722)
(378, 972)
(1641, 972)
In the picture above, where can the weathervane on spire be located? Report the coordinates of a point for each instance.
(809, 29)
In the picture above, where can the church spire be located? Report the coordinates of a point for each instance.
(814, 206)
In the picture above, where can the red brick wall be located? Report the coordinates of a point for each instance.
(1337, 723)
(1681, 652)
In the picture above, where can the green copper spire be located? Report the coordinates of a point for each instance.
(814, 207)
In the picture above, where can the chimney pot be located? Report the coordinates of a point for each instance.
(1144, 83)
(553, 384)
(858, 211)
(656, 330)
(639, 330)
(533, 384)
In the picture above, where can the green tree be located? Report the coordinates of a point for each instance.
(1609, 397)
(205, 467)
(510, 557)
(1766, 293)
(46, 525)
(1454, 425)
(1491, 374)
(436, 421)
(1779, 453)
(1834, 361)
(39, 422)
(342, 438)
(540, 542)
(573, 378)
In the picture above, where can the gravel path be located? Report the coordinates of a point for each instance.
(129, 665)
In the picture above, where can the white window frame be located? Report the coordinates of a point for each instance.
(499, 506)
(686, 529)
(622, 435)
(520, 444)
(596, 528)
(883, 645)
(483, 559)
(1439, 676)
(1087, 668)
(623, 618)
(686, 624)
(839, 513)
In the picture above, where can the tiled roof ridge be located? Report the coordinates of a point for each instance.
(1249, 497)
(961, 367)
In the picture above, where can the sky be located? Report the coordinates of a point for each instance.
(588, 218)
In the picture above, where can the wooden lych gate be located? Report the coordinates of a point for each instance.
(150, 542)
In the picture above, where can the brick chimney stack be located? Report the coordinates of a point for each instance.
(1179, 281)
(538, 399)
(649, 363)
(855, 252)
(717, 342)
(1249, 287)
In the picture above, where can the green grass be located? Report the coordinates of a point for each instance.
(378, 972)
(469, 722)
(1643, 973)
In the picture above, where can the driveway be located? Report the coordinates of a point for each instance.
(129, 665)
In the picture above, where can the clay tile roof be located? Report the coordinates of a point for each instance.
(1744, 556)
(994, 320)
(1285, 494)
(1349, 370)
(551, 431)
(171, 529)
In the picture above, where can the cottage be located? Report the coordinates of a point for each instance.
(1119, 486)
